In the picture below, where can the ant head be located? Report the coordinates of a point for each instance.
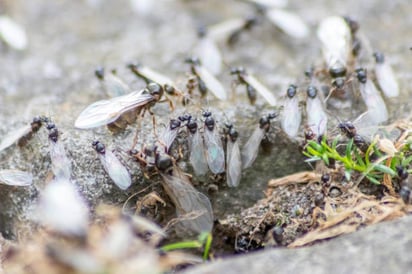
(50, 125)
(37, 120)
(311, 91)
(325, 178)
(272, 115)
(206, 113)
(310, 72)
(379, 57)
(163, 161)
(134, 65)
(362, 75)
(192, 126)
(338, 83)
(228, 125)
(353, 24)
(150, 149)
(99, 147)
(251, 21)
(53, 134)
(174, 123)
(169, 89)
(291, 91)
(185, 117)
(192, 60)
(210, 122)
(309, 134)
(237, 70)
(201, 31)
(99, 72)
(233, 134)
(155, 89)
(265, 120)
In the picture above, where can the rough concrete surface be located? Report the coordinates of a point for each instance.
(381, 248)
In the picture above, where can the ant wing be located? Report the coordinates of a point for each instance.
(215, 154)
(197, 154)
(290, 23)
(251, 148)
(192, 206)
(13, 177)
(335, 36)
(61, 165)
(14, 136)
(261, 89)
(234, 164)
(114, 86)
(209, 54)
(116, 170)
(211, 82)
(105, 112)
(291, 117)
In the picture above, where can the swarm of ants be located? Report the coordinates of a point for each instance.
(214, 146)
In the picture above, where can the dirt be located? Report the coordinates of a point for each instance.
(301, 209)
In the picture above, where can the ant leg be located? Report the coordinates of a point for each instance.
(329, 95)
(233, 87)
(154, 125)
(135, 139)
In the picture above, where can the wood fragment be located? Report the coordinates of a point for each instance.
(296, 178)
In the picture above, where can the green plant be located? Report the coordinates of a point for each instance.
(353, 159)
(203, 241)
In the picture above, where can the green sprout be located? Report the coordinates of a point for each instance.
(203, 241)
(354, 160)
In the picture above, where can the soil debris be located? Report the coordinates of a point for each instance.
(300, 209)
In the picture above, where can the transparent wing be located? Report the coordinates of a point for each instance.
(114, 86)
(261, 89)
(251, 148)
(291, 117)
(13, 177)
(289, 23)
(215, 154)
(63, 209)
(61, 165)
(116, 170)
(105, 112)
(209, 54)
(334, 34)
(154, 76)
(270, 3)
(142, 7)
(317, 117)
(14, 136)
(12, 33)
(197, 154)
(221, 31)
(377, 111)
(368, 131)
(143, 224)
(192, 206)
(168, 136)
(211, 82)
(234, 164)
(387, 80)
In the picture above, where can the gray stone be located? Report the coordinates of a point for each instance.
(381, 248)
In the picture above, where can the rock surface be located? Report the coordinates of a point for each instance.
(381, 248)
